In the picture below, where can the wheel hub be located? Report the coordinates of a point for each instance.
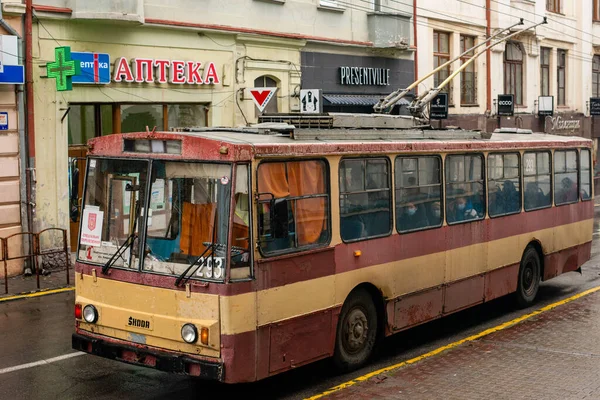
(355, 331)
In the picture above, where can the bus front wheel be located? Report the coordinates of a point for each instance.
(529, 277)
(356, 331)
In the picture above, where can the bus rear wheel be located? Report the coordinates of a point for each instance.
(356, 332)
(529, 278)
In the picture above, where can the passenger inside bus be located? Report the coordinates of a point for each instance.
(534, 196)
(504, 199)
(567, 192)
(462, 210)
(413, 217)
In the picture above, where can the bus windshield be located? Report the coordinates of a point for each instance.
(187, 216)
(188, 213)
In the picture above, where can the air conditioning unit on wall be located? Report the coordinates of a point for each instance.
(120, 10)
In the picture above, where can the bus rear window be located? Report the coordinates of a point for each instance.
(293, 206)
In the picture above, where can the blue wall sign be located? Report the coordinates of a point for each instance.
(95, 68)
(12, 75)
(3, 121)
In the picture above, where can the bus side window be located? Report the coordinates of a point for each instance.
(365, 193)
(536, 178)
(504, 184)
(293, 206)
(418, 193)
(566, 179)
(464, 188)
(585, 176)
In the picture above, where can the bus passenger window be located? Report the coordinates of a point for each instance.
(504, 188)
(536, 178)
(585, 175)
(365, 206)
(240, 245)
(293, 206)
(418, 193)
(464, 188)
(566, 180)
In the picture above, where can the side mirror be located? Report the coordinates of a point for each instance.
(279, 216)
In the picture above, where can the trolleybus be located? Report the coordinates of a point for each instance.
(235, 255)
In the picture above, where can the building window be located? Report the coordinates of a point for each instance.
(293, 206)
(561, 65)
(365, 198)
(596, 10)
(536, 178)
(418, 193)
(504, 187)
(554, 5)
(136, 117)
(585, 175)
(266, 81)
(441, 55)
(566, 180)
(596, 76)
(545, 71)
(464, 188)
(468, 78)
(513, 71)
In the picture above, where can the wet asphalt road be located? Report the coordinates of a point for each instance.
(40, 328)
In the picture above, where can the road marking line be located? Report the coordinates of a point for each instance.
(41, 362)
(452, 345)
(37, 294)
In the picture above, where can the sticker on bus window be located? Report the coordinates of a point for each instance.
(91, 227)
(224, 180)
(212, 267)
(92, 163)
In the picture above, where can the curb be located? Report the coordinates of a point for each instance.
(36, 293)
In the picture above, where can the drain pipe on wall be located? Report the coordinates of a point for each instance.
(23, 161)
(415, 44)
(488, 57)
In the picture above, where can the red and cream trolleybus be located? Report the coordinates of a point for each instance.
(235, 255)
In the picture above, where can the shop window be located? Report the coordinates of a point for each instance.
(136, 117)
(265, 81)
(596, 76)
(441, 55)
(468, 77)
(418, 193)
(585, 175)
(566, 179)
(545, 71)
(293, 206)
(186, 115)
(464, 188)
(365, 198)
(513, 71)
(504, 184)
(87, 121)
(561, 65)
(536, 178)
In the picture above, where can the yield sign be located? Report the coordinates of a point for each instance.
(262, 96)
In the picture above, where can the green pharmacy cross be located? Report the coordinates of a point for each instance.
(63, 68)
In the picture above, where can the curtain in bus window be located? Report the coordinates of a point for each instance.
(305, 179)
(273, 179)
(197, 223)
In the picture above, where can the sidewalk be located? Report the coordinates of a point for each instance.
(27, 284)
(553, 355)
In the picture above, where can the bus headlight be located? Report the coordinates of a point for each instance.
(90, 314)
(189, 333)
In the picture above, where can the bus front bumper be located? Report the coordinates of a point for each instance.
(146, 357)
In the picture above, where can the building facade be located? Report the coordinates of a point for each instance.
(150, 64)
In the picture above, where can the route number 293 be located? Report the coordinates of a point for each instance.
(212, 267)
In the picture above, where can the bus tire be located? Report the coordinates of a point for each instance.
(356, 334)
(529, 277)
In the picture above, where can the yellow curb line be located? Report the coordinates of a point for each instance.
(452, 345)
(37, 294)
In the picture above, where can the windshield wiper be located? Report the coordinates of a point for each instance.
(126, 244)
(211, 247)
(184, 273)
